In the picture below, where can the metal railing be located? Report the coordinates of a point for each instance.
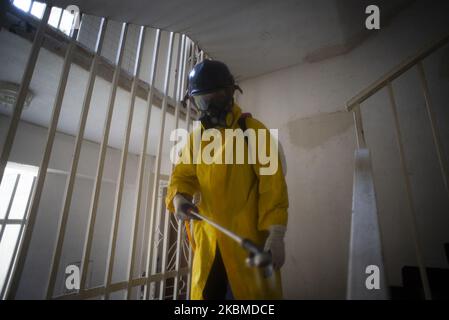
(354, 105)
(187, 55)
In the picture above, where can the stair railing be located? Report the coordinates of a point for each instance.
(365, 244)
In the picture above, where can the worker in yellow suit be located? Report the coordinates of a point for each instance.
(236, 196)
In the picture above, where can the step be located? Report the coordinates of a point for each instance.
(438, 281)
(401, 293)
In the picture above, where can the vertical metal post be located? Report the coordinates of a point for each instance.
(157, 168)
(418, 250)
(143, 153)
(82, 16)
(30, 7)
(166, 238)
(60, 234)
(18, 241)
(103, 149)
(8, 209)
(166, 214)
(48, 148)
(45, 159)
(121, 177)
(191, 222)
(179, 223)
(60, 19)
(358, 124)
(186, 71)
(67, 198)
(189, 106)
(442, 157)
(21, 95)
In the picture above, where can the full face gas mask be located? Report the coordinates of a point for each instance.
(215, 108)
(211, 89)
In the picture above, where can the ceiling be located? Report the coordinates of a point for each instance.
(253, 37)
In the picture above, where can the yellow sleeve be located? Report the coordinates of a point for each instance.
(273, 195)
(183, 178)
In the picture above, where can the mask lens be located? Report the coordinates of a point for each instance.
(202, 101)
(207, 101)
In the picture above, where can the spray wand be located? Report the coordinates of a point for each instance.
(261, 258)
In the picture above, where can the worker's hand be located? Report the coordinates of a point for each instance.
(182, 205)
(275, 245)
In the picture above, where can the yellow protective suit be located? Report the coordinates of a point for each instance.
(237, 197)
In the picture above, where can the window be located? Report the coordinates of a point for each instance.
(24, 5)
(37, 9)
(15, 195)
(59, 18)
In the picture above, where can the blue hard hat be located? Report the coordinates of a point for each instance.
(208, 76)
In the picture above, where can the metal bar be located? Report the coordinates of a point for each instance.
(166, 236)
(189, 106)
(11, 221)
(179, 229)
(177, 106)
(190, 261)
(101, 290)
(418, 250)
(10, 202)
(358, 124)
(67, 198)
(30, 6)
(182, 87)
(60, 234)
(60, 19)
(45, 159)
(396, 72)
(82, 16)
(179, 235)
(149, 266)
(142, 161)
(21, 95)
(181, 70)
(121, 177)
(103, 149)
(442, 157)
(191, 227)
(19, 239)
(52, 129)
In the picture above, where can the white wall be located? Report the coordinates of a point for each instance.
(307, 104)
(27, 149)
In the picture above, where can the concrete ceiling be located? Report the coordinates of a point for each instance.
(253, 37)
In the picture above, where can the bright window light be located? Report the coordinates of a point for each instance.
(22, 4)
(37, 9)
(55, 14)
(9, 239)
(21, 198)
(15, 192)
(66, 22)
(6, 188)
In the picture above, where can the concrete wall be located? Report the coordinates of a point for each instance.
(307, 104)
(27, 149)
